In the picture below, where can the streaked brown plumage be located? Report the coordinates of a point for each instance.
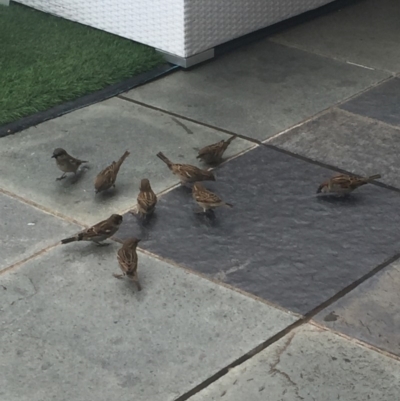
(128, 261)
(65, 162)
(187, 172)
(206, 199)
(146, 199)
(212, 154)
(106, 178)
(99, 232)
(344, 184)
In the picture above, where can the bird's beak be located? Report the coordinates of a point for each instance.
(53, 156)
(138, 240)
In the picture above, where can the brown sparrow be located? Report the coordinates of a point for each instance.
(186, 172)
(212, 154)
(146, 199)
(344, 184)
(128, 261)
(206, 199)
(99, 232)
(106, 178)
(66, 163)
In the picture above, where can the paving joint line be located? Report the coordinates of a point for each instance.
(214, 280)
(329, 167)
(337, 59)
(41, 208)
(309, 315)
(273, 147)
(15, 265)
(368, 119)
(355, 340)
(334, 106)
(170, 113)
(239, 361)
(307, 318)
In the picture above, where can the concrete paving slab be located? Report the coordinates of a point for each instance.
(381, 102)
(27, 230)
(279, 241)
(310, 364)
(370, 312)
(100, 134)
(71, 331)
(366, 33)
(349, 142)
(258, 90)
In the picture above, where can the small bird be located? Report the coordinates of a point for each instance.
(128, 261)
(212, 154)
(206, 199)
(146, 199)
(99, 232)
(344, 184)
(106, 178)
(186, 172)
(66, 163)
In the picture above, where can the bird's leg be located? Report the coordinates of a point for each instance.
(119, 276)
(136, 281)
(209, 213)
(62, 177)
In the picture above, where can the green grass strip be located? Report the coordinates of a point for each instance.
(46, 61)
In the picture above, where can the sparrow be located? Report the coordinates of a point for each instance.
(186, 172)
(206, 199)
(344, 184)
(128, 261)
(212, 154)
(65, 162)
(99, 232)
(106, 178)
(146, 199)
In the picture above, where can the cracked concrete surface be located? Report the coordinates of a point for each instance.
(309, 364)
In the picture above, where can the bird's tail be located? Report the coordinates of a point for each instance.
(373, 177)
(70, 239)
(77, 237)
(165, 159)
(228, 141)
(122, 159)
(228, 204)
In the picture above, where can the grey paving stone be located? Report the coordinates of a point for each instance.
(257, 90)
(381, 102)
(71, 331)
(309, 364)
(26, 230)
(101, 133)
(365, 33)
(349, 142)
(279, 241)
(370, 312)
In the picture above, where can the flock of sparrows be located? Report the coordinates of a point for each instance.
(146, 200)
(341, 184)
